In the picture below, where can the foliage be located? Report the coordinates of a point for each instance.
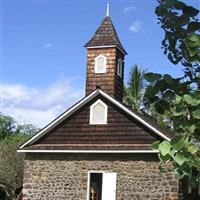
(178, 101)
(11, 166)
(12, 135)
(135, 90)
(182, 39)
(8, 127)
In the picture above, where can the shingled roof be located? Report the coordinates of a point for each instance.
(105, 35)
(124, 140)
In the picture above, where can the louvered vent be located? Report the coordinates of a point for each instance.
(98, 113)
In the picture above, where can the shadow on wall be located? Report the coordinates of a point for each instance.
(4, 195)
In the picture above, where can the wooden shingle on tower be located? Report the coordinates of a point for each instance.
(105, 45)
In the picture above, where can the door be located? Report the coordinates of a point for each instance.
(109, 186)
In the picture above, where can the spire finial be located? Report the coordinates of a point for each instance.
(108, 10)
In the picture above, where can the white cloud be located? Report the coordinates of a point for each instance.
(129, 8)
(39, 106)
(136, 26)
(48, 45)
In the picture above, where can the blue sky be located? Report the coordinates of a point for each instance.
(43, 58)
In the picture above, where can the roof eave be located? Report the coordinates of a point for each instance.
(87, 151)
(123, 51)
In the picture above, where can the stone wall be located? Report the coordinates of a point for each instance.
(64, 176)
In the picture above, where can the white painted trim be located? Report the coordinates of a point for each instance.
(87, 151)
(98, 47)
(88, 186)
(134, 115)
(108, 46)
(83, 102)
(88, 182)
(96, 70)
(60, 118)
(92, 112)
(119, 67)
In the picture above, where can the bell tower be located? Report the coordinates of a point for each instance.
(105, 60)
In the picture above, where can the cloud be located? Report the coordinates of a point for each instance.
(39, 106)
(129, 8)
(48, 45)
(136, 26)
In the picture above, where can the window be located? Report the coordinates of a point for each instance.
(100, 64)
(101, 186)
(119, 67)
(98, 113)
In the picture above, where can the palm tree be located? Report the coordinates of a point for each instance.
(134, 91)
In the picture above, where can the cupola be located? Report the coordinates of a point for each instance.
(105, 60)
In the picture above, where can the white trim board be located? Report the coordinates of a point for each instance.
(83, 102)
(87, 151)
(60, 119)
(134, 115)
(108, 46)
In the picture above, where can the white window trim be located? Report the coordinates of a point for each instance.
(105, 66)
(105, 114)
(88, 181)
(119, 68)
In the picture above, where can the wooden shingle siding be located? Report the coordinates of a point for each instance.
(120, 129)
(110, 82)
(105, 35)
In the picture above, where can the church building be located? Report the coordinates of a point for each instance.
(99, 149)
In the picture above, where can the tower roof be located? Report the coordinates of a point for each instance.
(106, 35)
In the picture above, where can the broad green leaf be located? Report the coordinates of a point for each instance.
(152, 77)
(172, 152)
(179, 5)
(193, 37)
(192, 51)
(159, 108)
(191, 100)
(196, 114)
(179, 158)
(168, 78)
(161, 85)
(193, 26)
(155, 145)
(178, 111)
(164, 158)
(178, 99)
(192, 148)
(150, 92)
(164, 147)
(190, 128)
(191, 11)
(179, 142)
(185, 168)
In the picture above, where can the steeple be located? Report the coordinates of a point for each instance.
(106, 35)
(105, 60)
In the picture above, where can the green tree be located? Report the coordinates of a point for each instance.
(179, 104)
(7, 126)
(134, 91)
(178, 99)
(11, 163)
(181, 43)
